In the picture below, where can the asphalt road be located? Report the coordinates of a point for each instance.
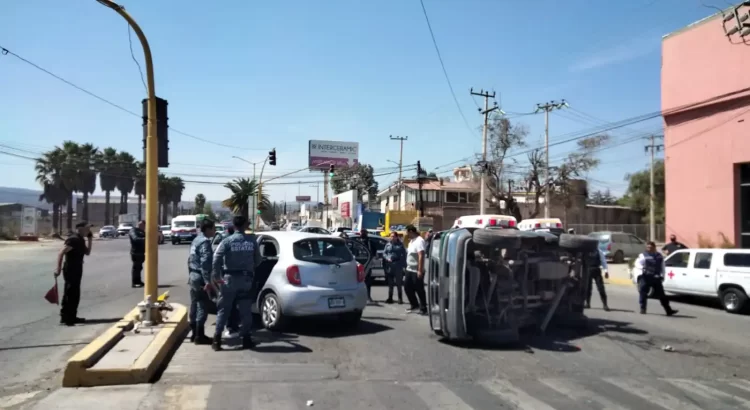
(391, 362)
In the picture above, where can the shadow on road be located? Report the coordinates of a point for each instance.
(269, 342)
(2, 349)
(166, 286)
(332, 329)
(102, 321)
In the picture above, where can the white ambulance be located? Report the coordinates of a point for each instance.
(485, 221)
(551, 225)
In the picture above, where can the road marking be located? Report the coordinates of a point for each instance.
(437, 396)
(706, 392)
(651, 394)
(579, 393)
(519, 398)
(16, 399)
(187, 397)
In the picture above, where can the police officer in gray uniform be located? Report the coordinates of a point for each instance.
(235, 261)
(199, 264)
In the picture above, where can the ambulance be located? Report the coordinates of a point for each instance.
(551, 225)
(485, 221)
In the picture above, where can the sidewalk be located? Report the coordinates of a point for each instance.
(619, 274)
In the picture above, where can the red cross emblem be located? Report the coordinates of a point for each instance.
(670, 274)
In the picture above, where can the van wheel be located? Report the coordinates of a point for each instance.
(578, 243)
(270, 313)
(619, 257)
(734, 300)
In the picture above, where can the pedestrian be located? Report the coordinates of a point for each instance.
(234, 266)
(414, 285)
(672, 246)
(233, 323)
(650, 265)
(137, 237)
(365, 240)
(596, 262)
(76, 247)
(395, 257)
(200, 262)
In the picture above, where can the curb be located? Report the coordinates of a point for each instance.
(619, 281)
(78, 371)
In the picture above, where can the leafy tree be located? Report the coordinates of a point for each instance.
(243, 190)
(126, 178)
(140, 186)
(200, 203)
(359, 177)
(602, 198)
(638, 194)
(108, 166)
(502, 136)
(207, 209)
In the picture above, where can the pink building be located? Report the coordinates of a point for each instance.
(705, 92)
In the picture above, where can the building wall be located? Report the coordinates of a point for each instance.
(704, 144)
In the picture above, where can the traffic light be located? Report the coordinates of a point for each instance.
(162, 131)
(331, 171)
(272, 157)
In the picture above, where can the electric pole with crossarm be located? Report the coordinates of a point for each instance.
(547, 107)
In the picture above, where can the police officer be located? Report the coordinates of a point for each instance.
(200, 263)
(234, 265)
(596, 261)
(364, 239)
(650, 265)
(233, 323)
(395, 256)
(137, 237)
(75, 248)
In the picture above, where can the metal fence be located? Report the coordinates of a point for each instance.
(639, 230)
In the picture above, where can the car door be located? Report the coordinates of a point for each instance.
(378, 244)
(677, 271)
(360, 252)
(703, 275)
(636, 246)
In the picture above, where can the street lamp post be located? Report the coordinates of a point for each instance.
(152, 169)
(255, 198)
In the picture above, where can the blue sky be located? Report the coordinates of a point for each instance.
(277, 74)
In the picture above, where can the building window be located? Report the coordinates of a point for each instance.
(461, 197)
(744, 206)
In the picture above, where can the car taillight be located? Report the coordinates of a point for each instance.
(360, 272)
(511, 223)
(537, 226)
(478, 222)
(493, 222)
(609, 246)
(292, 275)
(559, 225)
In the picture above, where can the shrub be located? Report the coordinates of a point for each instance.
(706, 242)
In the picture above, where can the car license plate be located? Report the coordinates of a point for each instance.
(334, 303)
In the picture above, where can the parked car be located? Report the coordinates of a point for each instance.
(161, 237)
(166, 231)
(108, 231)
(722, 274)
(274, 226)
(618, 246)
(314, 229)
(124, 228)
(303, 275)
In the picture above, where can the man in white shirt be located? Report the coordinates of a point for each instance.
(414, 277)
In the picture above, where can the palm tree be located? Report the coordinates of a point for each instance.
(242, 191)
(200, 203)
(70, 177)
(165, 194)
(48, 175)
(126, 179)
(177, 187)
(86, 159)
(140, 185)
(108, 166)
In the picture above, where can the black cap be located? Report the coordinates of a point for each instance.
(239, 222)
(83, 224)
(411, 228)
(207, 224)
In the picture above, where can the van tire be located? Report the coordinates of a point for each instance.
(619, 257)
(578, 243)
(734, 300)
(500, 238)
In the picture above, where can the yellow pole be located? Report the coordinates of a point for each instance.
(152, 169)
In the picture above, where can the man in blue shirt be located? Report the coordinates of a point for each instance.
(597, 263)
(199, 264)
(234, 265)
(395, 257)
(649, 269)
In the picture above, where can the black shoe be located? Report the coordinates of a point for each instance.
(79, 320)
(247, 342)
(192, 333)
(606, 308)
(202, 339)
(67, 323)
(423, 312)
(587, 306)
(216, 344)
(672, 312)
(389, 301)
(643, 311)
(400, 301)
(412, 310)
(138, 285)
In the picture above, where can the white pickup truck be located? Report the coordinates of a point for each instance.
(712, 273)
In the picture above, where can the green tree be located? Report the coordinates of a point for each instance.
(200, 203)
(176, 188)
(165, 195)
(108, 166)
(602, 198)
(140, 186)
(638, 194)
(358, 177)
(126, 178)
(243, 190)
(502, 136)
(49, 175)
(86, 161)
(207, 209)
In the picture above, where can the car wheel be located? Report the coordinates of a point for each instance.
(734, 300)
(270, 312)
(175, 242)
(351, 320)
(619, 257)
(578, 243)
(501, 238)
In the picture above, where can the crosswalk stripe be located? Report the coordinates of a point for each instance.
(651, 394)
(187, 397)
(707, 392)
(580, 394)
(740, 384)
(514, 395)
(437, 396)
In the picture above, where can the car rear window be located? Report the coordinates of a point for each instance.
(184, 224)
(322, 250)
(740, 260)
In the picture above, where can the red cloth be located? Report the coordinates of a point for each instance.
(52, 296)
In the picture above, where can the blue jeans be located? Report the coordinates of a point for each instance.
(198, 299)
(236, 290)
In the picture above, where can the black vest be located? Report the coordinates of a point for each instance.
(593, 260)
(653, 264)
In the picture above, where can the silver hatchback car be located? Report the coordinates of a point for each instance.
(304, 274)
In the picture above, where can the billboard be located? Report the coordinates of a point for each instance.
(303, 198)
(28, 225)
(323, 154)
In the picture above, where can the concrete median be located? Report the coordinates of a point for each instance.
(120, 356)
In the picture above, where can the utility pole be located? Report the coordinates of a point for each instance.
(486, 112)
(400, 162)
(420, 181)
(547, 107)
(653, 147)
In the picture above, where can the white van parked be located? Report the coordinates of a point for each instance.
(551, 225)
(485, 221)
(184, 228)
(715, 273)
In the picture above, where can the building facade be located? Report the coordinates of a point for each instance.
(706, 108)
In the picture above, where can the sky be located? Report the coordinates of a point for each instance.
(259, 75)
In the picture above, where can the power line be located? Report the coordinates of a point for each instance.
(5, 51)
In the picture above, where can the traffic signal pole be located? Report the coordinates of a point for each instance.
(151, 272)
